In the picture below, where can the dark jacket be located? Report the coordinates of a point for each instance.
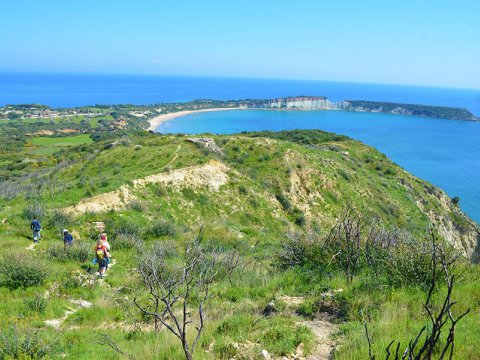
(68, 238)
(35, 225)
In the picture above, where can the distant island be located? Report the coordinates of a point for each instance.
(322, 103)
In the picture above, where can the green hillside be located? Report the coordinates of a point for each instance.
(261, 208)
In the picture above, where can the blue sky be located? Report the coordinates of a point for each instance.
(435, 42)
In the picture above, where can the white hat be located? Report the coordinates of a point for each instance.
(65, 230)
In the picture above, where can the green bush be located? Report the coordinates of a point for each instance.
(283, 200)
(58, 219)
(385, 256)
(162, 228)
(137, 205)
(160, 191)
(242, 190)
(390, 171)
(33, 211)
(309, 308)
(299, 216)
(125, 241)
(36, 304)
(344, 174)
(280, 339)
(302, 251)
(79, 251)
(22, 271)
(127, 228)
(14, 345)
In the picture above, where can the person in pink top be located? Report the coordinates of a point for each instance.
(104, 240)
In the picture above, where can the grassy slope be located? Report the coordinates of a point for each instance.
(244, 215)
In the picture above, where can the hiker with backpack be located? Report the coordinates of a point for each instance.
(101, 257)
(36, 229)
(103, 238)
(67, 239)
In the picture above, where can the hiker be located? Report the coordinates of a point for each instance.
(105, 243)
(101, 257)
(67, 239)
(36, 228)
(104, 239)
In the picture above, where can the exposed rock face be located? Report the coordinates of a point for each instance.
(209, 143)
(304, 103)
(322, 103)
(466, 237)
(212, 175)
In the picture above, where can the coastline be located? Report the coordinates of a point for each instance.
(157, 120)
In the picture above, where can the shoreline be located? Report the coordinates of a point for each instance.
(157, 120)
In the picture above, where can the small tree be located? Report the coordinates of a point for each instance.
(432, 343)
(176, 291)
(345, 241)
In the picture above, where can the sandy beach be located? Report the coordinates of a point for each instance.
(156, 121)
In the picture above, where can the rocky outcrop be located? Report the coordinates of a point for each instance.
(453, 225)
(301, 103)
(211, 175)
(322, 103)
(208, 143)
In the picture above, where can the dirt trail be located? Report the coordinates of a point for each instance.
(175, 156)
(211, 175)
(81, 304)
(323, 331)
(321, 327)
(31, 247)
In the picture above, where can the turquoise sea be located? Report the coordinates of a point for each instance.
(443, 152)
(446, 153)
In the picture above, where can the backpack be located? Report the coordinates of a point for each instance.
(100, 253)
(36, 226)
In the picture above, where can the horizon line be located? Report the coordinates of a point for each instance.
(235, 77)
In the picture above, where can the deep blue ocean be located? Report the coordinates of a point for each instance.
(443, 152)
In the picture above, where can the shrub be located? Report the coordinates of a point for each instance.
(162, 228)
(80, 251)
(70, 283)
(390, 171)
(203, 199)
(344, 174)
(125, 241)
(14, 345)
(302, 250)
(103, 182)
(283, 200)
(309, 308)
(58, 219)
(126, 228)
(455, 200)
(22, 271)
(189, 193)
(299, 216)
(56, 252)
(242, 190)
(359, 245)
(281, 339)
(36, 304)
(160, 190)
(137, 205)
(33, 211)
